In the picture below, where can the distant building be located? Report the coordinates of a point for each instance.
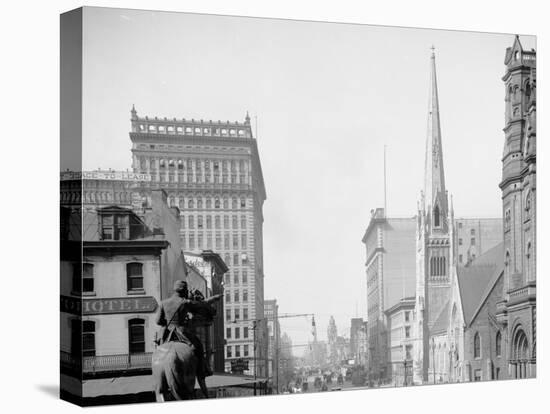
(271, 312)
(475, 236)
(211, 170)
(390, 269)
(400, 325)
(358, 341)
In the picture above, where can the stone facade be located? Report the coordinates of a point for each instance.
(390, 271)
(517, 310)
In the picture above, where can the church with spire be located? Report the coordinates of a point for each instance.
(434, 240)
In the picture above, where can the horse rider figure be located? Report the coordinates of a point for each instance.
(175, 317)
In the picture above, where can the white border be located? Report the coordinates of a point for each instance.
(30, 32)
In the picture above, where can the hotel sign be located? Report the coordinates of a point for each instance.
(106, 306)
(105, 175)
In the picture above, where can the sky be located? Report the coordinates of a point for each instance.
(325, 99)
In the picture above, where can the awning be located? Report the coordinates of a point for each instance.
(144, 383)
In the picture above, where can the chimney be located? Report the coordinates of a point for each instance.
(158, 204)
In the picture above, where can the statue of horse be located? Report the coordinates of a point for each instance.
(174, 371)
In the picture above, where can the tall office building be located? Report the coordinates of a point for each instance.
(211, 170)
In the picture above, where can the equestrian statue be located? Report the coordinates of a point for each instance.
(179, 357)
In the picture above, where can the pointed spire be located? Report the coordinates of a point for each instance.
(133, 112)
(247, 118)
(435, 197)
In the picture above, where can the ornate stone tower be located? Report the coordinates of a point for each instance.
(517, 311)
(434, 238)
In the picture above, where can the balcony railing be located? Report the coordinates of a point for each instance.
(106, 363)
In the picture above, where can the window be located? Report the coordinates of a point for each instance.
(228, 333)
(134, 276)
(407, 316)
(245, 276)
(237, 351)
(243, 222)
(459, 225)
(235, 222)
(436, 216)
(497, 373)
(228, 315)
(407, 331)
(473, 241)
(236, 277)
(234, 202)
(217, 203)
(88, 338)
(136, 339)
(245, 331)
(115, 227)
(226, 241)
(228, 299)
(245, 351)
(235, 241)
(208, 203)
(229, 354)
(245, 317)
(459, 258)
(460, 242)
(477, 375)
(472, 232)
(243, 241)
(408, 352)
(236, 296)
(199, 203)
(88, 278)
(245, 295)
(192, 241)
(218, 241)
(180, 165)
(477, 345)
(236, 259)
(217, 222)
(199, 222)
(498, 344)
(237, 314)
(208, 222)
(237, 333)
(227, 278)
(225, 203)
(200, 241)
(225, 222)
(243, 203)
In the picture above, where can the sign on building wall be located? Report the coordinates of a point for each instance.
(108, 305)
(105, 175)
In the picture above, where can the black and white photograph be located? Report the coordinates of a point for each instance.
(253, 206)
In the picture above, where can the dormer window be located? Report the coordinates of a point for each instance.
(516, 55)
(115, 226)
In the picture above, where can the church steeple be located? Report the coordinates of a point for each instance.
(435, 196)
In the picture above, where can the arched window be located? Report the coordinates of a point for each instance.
(234, 204)
(225, 203)
(443, 266)
(507, 264)
(217, 203)
(88, 338)
(498, 344)
(208, 203)
(477, 345)
(199, 203)
(436, 216)
(520, 353)
(190, 203)
(136, 336)
(528, 261)
(134, 276)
